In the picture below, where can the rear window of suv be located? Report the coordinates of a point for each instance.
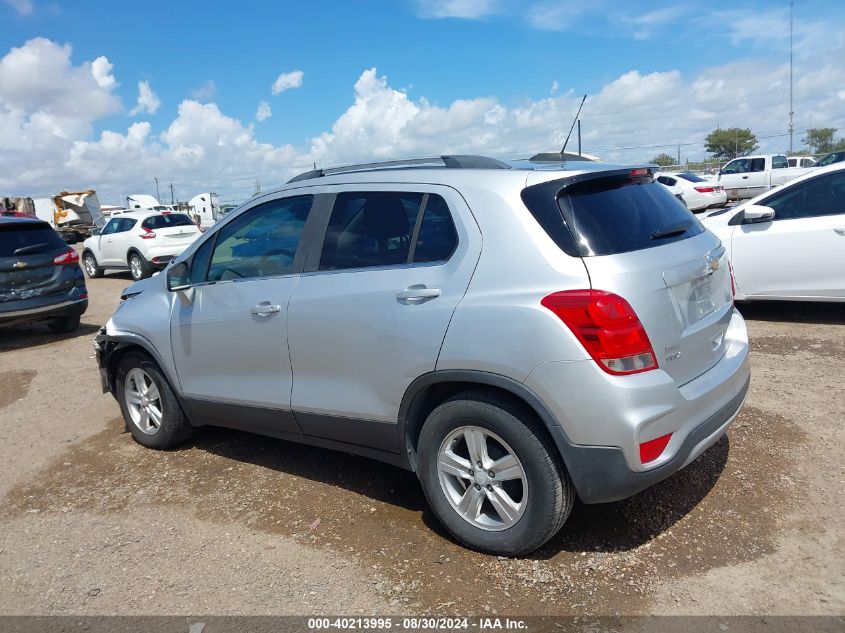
(34, 237)
(166, 221)
(606, 216)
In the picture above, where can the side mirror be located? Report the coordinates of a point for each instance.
(755, 213)
(177, 277)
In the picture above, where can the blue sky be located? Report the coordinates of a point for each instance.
(499, 61)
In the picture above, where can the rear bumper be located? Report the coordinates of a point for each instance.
(602, 419)
(65, 306)
(600, 474)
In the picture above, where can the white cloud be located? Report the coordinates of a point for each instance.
(101, 69)
(467, 9)
(46, 118)
(23, 7)
(555, 87)
(148, 101)
(205, 92)
(286, 81)
(264, 112)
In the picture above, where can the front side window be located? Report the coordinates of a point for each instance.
(811, 198)
(261, 242)
(739, 166)
(758, 164)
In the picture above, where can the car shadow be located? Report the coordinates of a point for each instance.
(618, 526)
(361, 475)
(35, 334)
(794, 312)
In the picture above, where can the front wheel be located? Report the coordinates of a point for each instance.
(148, 404)
(92, 269)
(491, 476)
(138, 267)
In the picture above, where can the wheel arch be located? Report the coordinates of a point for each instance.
(430, 390)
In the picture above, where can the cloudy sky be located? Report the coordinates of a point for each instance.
(110, 95)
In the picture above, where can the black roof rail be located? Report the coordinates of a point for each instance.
(451, 161)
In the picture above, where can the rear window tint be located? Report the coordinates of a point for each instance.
(605, 216)
(691, 177)
(17, 236)
(166, 221)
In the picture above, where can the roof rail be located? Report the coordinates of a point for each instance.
(453, 161)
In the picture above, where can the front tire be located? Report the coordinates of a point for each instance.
(149, 406)
(139, 268)
(89, 263)
(519, 496)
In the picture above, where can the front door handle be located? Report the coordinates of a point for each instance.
(840, 230)
(417, 294)
(745, 177)
(265, 308)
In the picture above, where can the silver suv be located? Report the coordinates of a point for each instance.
(516, 334)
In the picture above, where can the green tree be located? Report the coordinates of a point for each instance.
(664, 160)
(820, 139)
(730, 143)
(840, 144)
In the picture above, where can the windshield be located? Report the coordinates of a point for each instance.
(833, 157)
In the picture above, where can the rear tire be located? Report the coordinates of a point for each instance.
(139, 268)
(89, 263)
(63, 325)
(152, 413)
(538, 492)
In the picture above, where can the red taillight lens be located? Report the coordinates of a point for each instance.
(651, 450)
(147, 234)
(639, 172)
(607, 327)
(705, 189)
(70, 257)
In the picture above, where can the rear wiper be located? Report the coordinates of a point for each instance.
(32, 248)
(672, 230)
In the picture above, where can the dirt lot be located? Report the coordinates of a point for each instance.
(92, 523)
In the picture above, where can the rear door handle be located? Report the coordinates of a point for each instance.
(417, 294)
(840, 230)
(265, 308)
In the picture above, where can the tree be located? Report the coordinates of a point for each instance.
(730, 143)
(820, 139)
(664, 160)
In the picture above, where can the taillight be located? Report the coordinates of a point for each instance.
(147, 234)
(651, 450)
(705, 189)
(607, 327)
(641, 171)
(69, 257)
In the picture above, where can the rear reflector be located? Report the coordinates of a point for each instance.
(704, 189)
(651, 450)
(69, 257)
(607, 327)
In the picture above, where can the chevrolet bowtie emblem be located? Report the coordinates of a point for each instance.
(18, 265)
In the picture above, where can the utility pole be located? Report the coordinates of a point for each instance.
(172, 198)
(791, 112)
(679, 154)
(158, 195)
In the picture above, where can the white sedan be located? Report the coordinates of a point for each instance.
(699, 194)
(789, 243)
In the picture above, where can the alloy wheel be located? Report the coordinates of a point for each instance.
(143, 401)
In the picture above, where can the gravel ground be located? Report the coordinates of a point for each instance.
(92, 523)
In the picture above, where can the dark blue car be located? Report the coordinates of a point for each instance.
(40, 277)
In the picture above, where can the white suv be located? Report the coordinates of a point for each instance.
(140, 241)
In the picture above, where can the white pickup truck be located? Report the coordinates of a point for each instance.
(749, 176)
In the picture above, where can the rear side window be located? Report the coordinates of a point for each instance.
(32, 238)
(606, 216)
(166, 221)
(384, 228)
